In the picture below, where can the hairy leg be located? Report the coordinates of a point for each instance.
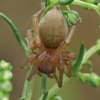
(33, 72)
(68, 54)
(31, 59)
(61, 71)
(29, 36)
(35, 24)
(69, 67)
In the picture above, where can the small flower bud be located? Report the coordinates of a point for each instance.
(71, 17)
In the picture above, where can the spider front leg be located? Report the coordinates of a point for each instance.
(32, 58)
(36, 26)
(64, 45)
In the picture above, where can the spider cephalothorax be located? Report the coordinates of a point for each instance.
(51, 40)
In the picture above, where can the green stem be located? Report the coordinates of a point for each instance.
(15, 31)
(28, 86)
(48, 8)
(43, 90)
(88, 5)
(54, 89)
(68, 8)
(90, 52)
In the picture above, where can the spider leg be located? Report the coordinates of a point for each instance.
(63, 46)
(38, 72)
(29, 36)
(32, 58)
(69, 54)
(54, 76)
(69, 67)
(33, 72)
(61, 71)
(35, 24)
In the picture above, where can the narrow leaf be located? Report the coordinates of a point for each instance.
(76, 65)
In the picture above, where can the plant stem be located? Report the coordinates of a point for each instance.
(15, 31)
(88, 5)
(55, 88)
(43, 87)
(75, 2)
(90, 52)
(48, 8)
(68, 8)
(28, 85)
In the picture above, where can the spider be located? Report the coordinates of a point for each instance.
(51, 40)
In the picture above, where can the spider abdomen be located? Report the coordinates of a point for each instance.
(46, 69)
(53, 29)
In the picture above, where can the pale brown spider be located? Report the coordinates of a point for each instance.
(51, 40)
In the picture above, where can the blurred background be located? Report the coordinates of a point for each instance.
(20, 12)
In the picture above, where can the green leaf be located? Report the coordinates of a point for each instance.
(83, 77)
(45, 96)
(76, 65)
(65, 2)
(94, 80)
